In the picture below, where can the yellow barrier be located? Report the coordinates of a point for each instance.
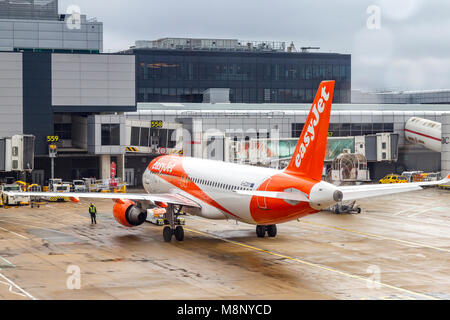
(122, 189)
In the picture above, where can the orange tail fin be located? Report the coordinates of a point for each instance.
(309, 154)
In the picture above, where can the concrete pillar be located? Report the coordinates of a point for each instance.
(445, 153)
(105, 166)
(121, 167)
(197, 138)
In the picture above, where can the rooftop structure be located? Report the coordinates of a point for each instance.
(402, 97)
(36, 25)
(211, 44)
(29, 9)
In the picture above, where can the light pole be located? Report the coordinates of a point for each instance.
(52, 152)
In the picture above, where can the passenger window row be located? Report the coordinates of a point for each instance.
(209, 183)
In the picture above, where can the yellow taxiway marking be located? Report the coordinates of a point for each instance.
(411, 243)
(313, 265)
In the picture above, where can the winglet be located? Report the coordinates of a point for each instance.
(310, 151)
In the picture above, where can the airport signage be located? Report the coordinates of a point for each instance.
(113, 169)
(157, 124)
(51, 139)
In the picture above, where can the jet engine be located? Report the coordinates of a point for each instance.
(128, 214)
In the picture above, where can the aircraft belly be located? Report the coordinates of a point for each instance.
(239, 205)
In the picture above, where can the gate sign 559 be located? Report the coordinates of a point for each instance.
(51, 139)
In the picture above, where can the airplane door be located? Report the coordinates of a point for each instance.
(262, 201)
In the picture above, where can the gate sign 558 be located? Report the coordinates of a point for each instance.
(157, 124)
(52, 139)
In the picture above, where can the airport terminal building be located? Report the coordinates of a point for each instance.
(54, 81)
(222, 99)
(230, 132)
(181, 69)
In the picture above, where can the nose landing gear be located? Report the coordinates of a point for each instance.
(271, 231)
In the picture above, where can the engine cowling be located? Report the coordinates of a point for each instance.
(128, 214)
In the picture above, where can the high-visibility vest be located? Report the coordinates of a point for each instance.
(92, 209)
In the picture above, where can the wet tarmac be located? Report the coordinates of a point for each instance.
(398, 248)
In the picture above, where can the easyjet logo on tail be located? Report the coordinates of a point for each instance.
(311, 131)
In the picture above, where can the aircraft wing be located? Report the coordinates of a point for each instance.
(163, 197)
(367, 191)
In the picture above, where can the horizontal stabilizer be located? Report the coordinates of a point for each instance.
(375, 190)
(355, 194)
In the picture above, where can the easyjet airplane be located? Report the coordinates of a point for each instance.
(261, 196)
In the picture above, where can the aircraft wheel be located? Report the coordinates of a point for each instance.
(167, 234)
(272, 230)
(179, 233)
(261, 231)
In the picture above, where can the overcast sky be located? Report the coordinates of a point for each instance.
(410, 50)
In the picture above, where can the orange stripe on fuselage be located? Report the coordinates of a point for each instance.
(273, 211)
(170, 168)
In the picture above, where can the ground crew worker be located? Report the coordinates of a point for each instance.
(93, 212)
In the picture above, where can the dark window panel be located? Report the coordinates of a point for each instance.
(110, 134)
(106, 135)
(134, 136)
(115, 134)
(144, 140)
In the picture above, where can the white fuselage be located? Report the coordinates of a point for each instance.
(227, 178)
(213, 185)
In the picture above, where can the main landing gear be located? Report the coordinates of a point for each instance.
(174, 228)
(271, 231)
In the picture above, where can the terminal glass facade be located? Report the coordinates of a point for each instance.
(29, 9)
(111, 134)
(348, 129)
(266, 77)
(146, 137)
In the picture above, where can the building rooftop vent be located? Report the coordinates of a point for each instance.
(216, 95)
